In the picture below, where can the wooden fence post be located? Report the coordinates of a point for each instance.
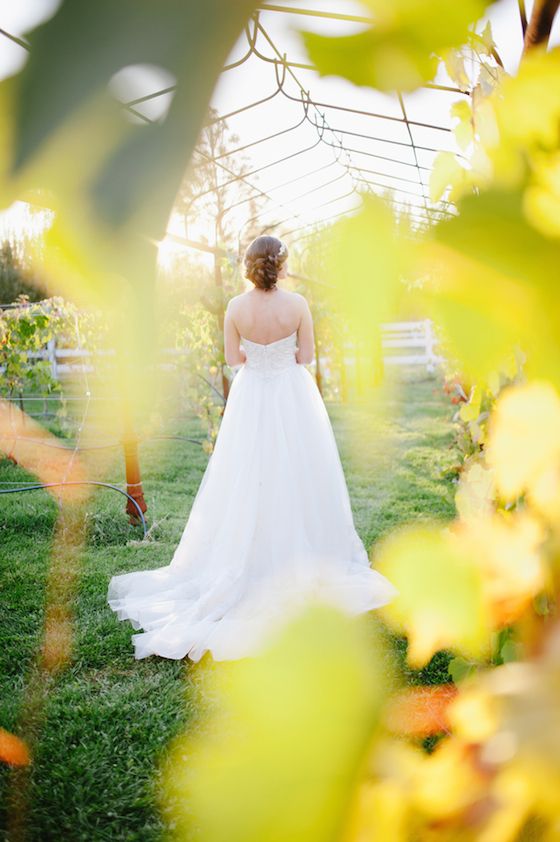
(51, 354)
(131, 462)
(430, 341)
(133, 476)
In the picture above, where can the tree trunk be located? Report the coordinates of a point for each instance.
(540, 24)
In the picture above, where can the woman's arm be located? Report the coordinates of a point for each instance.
(233, 353)
(306, 340)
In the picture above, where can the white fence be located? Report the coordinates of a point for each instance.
(79, 360)
(416, 342)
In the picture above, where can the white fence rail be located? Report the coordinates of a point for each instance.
(403, 344)
(416, 341)
(79, 360)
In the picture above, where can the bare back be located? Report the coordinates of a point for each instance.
(265, 317)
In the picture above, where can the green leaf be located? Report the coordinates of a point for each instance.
(475, 493)
(494, 286)
(470, 411)
(26, 328)
(364, 262)
(455, 66)
(63, 90)
(510, 651)
(463, 131)
(494, 382)
(446, 172)
(276, 754)
(441, 602)
(487, 38)
(542, 605)
(399, 51)
(459, 669)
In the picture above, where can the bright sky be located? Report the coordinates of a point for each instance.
(256, 79)
(330, 185)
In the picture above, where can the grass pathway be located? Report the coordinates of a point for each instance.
(108, 717)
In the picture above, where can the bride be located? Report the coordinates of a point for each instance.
(271, 525)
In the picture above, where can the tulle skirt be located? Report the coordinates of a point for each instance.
(270, 528)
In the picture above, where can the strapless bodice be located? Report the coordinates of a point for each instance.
(271, 358)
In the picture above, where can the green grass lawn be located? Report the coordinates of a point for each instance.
(107, 717)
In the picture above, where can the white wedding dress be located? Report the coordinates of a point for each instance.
(270, 526)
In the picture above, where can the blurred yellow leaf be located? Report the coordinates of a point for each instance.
(365, 259)
(507, 551)
(447, 782)
(124, 167)
(492, 287)
(526, 696)
(419, 711)
(527, 105)
(68, 136)
(276, 756)
(474, 713)
(486, 126)
(513, 796)
(487, 37)
(544, 493)
(381, 805)
(455, 66)
(516, 124)
(475, 494)
(471, 410)
(8, 192)
(524, 441)
(494, 382)
(446, 172)
(399, 52)
(381, 813)
(441, 593)
(463, 130)
(58, 164)
(541, 200)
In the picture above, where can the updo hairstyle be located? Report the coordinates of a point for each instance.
(263, 259)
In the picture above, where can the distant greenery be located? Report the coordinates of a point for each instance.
(16, 276)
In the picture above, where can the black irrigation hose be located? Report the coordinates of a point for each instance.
(83, 482)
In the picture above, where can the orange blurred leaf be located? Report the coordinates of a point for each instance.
(13, 750)
(420, 711)
(39, 452)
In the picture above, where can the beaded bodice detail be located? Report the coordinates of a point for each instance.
(272, 358)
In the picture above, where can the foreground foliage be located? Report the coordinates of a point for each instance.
(333, 745)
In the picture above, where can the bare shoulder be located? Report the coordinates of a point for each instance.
(235, 300)
(301, 300)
